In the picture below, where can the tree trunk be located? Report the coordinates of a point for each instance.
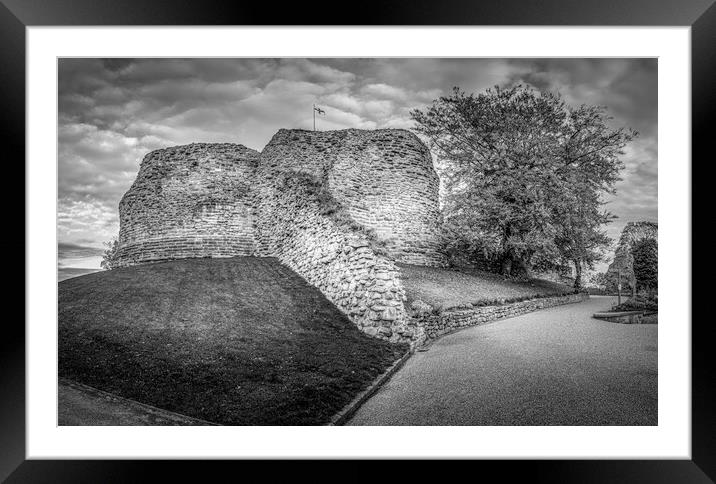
(506, 265)
(521, 268)
(515, 266)
(577, 274)
(506, 262)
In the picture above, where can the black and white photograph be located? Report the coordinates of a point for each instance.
(357, 241)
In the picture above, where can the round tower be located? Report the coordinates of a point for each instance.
(384, 178)
(189, 201)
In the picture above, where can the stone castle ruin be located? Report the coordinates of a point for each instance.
(384, 179)
(338, 207)
(189, 201)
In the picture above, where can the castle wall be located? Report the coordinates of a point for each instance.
(293, 225)
(189, 201)
(384, 178)
(338, 207)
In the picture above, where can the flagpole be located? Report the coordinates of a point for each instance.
(314, 117)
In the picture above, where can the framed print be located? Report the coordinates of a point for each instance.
(422, 231)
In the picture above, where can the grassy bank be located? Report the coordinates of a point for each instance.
(446, 288)
(240, 341)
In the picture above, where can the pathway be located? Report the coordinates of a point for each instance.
(557, 366)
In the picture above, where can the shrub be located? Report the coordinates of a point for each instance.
(639, 303)
(109, 258)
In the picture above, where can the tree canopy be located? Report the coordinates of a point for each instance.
(109, 257)
(646, 260)
(623, 262)
(523, 175)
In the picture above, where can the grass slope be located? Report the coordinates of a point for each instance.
(240, 341)
(70, 272)
(446, 288)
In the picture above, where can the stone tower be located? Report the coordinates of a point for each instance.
(189, 201)
(384, 178)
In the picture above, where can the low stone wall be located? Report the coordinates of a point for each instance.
(435, 325)
(294, 227)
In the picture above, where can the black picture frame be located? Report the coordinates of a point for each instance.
(16, 15)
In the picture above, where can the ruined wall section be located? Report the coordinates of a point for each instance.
(298, 225)
(189, 201)
(384, 178)
(339, 208)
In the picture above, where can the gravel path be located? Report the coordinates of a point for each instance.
(558, 366)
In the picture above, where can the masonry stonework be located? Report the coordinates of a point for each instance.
(435, 325)
(294, 226)
(384, 178)
(339, 207)
(189, 201)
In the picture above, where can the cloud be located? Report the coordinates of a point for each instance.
(313, 72)
(75, 250)
(86, 222)
(384, 91)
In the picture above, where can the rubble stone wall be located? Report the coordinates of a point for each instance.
(435, 325)
(292, 225)
(189, 201)
(384, 178)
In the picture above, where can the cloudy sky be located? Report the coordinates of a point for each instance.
(113, 111)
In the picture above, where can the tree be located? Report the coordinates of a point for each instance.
(110, 254)
(522, 173)
(646, 265)
(599, 280)
(579, 237)
(590, 153)
(607, 281)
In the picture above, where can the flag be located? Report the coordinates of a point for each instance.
(319, 110)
